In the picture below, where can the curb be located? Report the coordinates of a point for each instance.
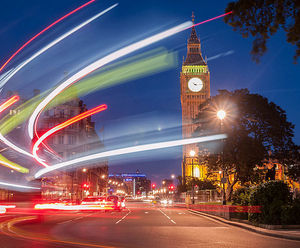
(245, 226)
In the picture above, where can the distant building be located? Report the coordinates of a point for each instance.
(133, 183)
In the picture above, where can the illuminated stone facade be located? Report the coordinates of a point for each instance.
(193, 93)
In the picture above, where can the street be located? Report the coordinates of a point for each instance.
(140, 225)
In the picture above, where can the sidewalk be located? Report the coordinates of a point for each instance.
(293, 234)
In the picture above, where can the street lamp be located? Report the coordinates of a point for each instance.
(172, 176)
(221, 114)
(84, 170)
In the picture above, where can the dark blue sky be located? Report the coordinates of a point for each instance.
(150, 105)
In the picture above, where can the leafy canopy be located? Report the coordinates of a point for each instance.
(257, 130)
(262, 19)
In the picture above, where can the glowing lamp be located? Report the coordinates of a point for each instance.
(221, 114)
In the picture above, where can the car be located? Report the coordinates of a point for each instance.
(119, 202)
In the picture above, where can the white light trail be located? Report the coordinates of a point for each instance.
(44, 49)
(101, 62)
(14, 147)
(132, 149)
(17, 185)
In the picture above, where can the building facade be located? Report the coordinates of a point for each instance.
(195, 89)
(78, 139)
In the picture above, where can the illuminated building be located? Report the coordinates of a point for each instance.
(75, 140)
(195, 89)
(134, 183)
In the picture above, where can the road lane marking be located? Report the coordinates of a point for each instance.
(167, 216)
(123, 217)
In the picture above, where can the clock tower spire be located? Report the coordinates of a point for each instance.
(195, 89)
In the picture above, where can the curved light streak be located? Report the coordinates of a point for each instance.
(129, 150)
(61, 126)
(53, 43)
(9, 102)
(3, 106)
(17, 185)
(14, 147)
(14, 166)
(44, 30)
(97, 64)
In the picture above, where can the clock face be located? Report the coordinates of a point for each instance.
(195, 84)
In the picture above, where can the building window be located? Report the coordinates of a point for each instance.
(50, 140)
(71, 112)
(60, 139)
(61, 113)
(50, 124)
(51, 112)
(72, 139)
(61, 154)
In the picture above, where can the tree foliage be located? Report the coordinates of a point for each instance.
(262, 19)
(272, 196)
(254, 127)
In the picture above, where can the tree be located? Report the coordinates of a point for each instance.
(257, 130)
(262, 19)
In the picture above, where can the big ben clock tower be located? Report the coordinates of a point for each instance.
(195, 89)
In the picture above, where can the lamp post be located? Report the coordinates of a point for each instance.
(221, 114)
(192, 154)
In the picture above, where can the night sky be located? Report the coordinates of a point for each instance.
(147, 109)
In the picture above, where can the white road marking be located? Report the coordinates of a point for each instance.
(167, 216)
(123, 217)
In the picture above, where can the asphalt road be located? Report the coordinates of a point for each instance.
(140, 225)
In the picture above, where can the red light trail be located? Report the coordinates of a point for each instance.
(44, 30)
(63, 125)
(211, 19)
(9, 102)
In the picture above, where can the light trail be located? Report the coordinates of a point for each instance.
(14, 147)
(9, 102)
(5, 162)
(53, 43)
(129, 150)
(61, 126)
(4, 106)
(101, 62)
(211, 19)
(44, 30)
(17, 185)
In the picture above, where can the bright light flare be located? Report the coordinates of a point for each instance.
(63, 125)
(129, 150)
(192, 153)
(44, 30)
(221, 114)
(99, 63)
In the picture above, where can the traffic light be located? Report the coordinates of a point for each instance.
(171, 187)
(153, 185)
(85, 186)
